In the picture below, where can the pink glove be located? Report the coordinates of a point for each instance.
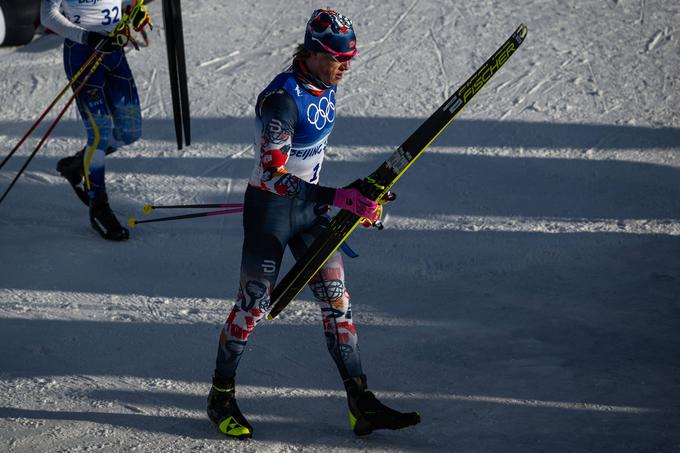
(353, 201)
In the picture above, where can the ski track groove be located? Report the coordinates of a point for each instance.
(161, 104)
(232, 65)
(389, 32)
(389, 67)
(596, 93)
(440, 60)
(216, 60)
(245, 58)
(152, 80)
(641, 23)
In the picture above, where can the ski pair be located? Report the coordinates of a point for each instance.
(120, 32)
(378, 183)
(174, 40)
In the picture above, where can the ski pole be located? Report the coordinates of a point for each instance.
(236, 208)
(54, 124)
(49, 107)
(132, 222)
(148, 208)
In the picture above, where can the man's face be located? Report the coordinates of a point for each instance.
(326, 68)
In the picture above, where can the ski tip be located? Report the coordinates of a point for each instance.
(132, 222)
(522, 31)
(147, 209)
(270, 317)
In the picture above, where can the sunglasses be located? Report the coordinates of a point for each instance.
(341, 58)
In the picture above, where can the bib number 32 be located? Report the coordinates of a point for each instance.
(111, 16)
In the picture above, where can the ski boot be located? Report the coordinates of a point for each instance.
(223, 410)
(104, 221)
(367, 414)
(71, 168)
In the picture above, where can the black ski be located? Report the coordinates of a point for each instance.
(379, 182)
(174, 39)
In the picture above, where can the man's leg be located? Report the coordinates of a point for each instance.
(123, 99)
(99, 125)
(94, 110)
(260, 263)
(366, 412)
(328, 287)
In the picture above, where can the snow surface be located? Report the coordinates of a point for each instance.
(524, 297)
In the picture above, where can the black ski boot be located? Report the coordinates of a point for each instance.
(71, 168)
(367, 414)
(104, 221)
(224, 412)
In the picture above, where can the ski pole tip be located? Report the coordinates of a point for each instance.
(147, 209)
(132, 222)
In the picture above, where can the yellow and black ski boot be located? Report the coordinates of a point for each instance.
(224, 411)
(366, 413)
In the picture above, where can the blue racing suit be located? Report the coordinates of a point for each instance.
(108, 103)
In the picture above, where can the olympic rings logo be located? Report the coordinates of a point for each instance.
(322, 113)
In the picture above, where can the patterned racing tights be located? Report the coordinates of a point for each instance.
(272, 222)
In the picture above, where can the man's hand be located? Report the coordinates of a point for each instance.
(101, 42)
(388, 197)
(140, 18)
(352, 200)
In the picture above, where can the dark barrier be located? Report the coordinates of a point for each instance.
(18, 21)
